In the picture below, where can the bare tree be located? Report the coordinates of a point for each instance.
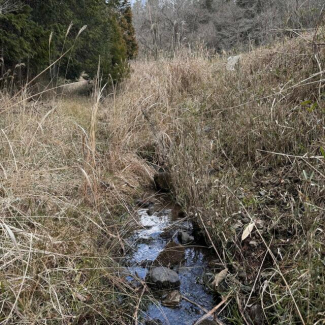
(8, 6)
(165, 25)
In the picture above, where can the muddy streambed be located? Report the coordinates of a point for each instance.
(164, 256)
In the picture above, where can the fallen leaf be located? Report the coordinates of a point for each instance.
(219, 278)
(80, 297)
(11, 234)
(248, 230)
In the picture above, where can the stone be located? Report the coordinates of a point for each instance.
(256, 314)
(151, 210)
(198, 233)
(242, 275)
(163, 181)
(259, 224)
(184, 238)
(253, 243)
(178, 212)
(172, 255)
(163, 277)
(233, 62)
(173, 299)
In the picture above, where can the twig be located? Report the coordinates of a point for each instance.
(213, 310)
(22, 282)
(298, 157)
(257, 276)
(135, 316)
(194, 303)
(291, 156)
(241, 310)
(211, 241)
(11, 149)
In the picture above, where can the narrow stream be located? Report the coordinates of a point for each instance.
(159, 242)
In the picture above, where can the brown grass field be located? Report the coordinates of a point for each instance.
(244, 147)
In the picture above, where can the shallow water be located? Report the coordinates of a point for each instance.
(146, 243)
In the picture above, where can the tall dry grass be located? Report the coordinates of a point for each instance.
(65, 198)
(243, 148)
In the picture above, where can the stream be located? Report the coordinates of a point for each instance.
(163, 241)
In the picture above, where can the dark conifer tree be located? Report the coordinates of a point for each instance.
(128, 29)
(38, 33)
(22, 44)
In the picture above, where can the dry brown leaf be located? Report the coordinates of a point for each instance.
(219, 278)
(81, 297)
(248, 230)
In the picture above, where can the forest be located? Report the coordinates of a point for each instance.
(164, 25)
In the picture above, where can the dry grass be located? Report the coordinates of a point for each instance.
(62, 214)
(243, 146)
(240, 146)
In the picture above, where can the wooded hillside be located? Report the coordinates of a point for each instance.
(222, 25)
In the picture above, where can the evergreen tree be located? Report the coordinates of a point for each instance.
(38, 33)
(22, 42)
(128, 29)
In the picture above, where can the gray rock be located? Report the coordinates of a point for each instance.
(163, 277)
(185, 238)
(151, 210)
(173, 299)
(256, 315)
(242, 274)
(259, 224)
(172, 255)
(253, 243)
(233, 62)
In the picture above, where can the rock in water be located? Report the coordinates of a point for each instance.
(163, 277)
(198, 233)
(233, 62)
(185, 238)
(151, 210)
(172, 255)
(163, 181)
(178, 212)
(173, 299)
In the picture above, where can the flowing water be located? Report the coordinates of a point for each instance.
(146, 243)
